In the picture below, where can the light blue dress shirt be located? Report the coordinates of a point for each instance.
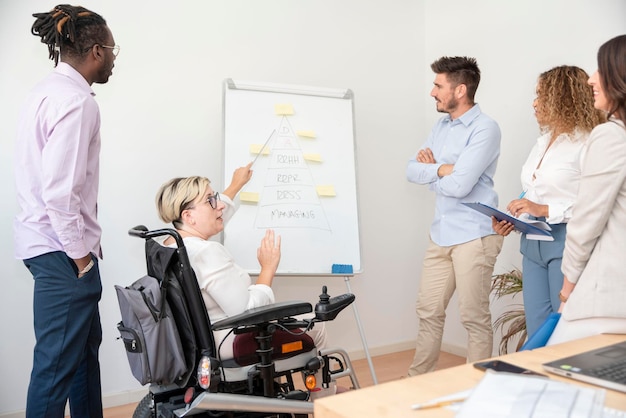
(472, 143)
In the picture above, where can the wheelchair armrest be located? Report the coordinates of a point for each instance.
(264, 314)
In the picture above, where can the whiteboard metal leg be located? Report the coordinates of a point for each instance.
(358, 322)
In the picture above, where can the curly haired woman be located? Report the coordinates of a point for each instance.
(565, 114)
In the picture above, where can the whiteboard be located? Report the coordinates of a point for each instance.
(303, 186)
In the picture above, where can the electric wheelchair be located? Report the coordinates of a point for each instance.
(271, 349)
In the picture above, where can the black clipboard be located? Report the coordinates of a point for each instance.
(530, 230)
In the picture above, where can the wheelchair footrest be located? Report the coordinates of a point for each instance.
(244, 403)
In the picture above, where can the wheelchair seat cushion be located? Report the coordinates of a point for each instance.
(285, 344)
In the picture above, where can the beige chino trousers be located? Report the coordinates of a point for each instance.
(468, 269)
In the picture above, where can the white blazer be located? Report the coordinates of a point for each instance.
(595, 246)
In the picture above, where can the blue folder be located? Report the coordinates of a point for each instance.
(542, 335)
(520, 225)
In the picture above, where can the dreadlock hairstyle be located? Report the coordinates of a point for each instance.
(459, 70)
(69, 30)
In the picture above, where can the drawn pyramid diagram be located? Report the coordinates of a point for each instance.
(289, 196)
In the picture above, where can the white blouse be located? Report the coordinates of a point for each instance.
(227, 289)
(551, 175)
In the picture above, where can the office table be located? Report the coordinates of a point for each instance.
(394, 399)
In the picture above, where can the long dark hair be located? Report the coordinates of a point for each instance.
(612, 69)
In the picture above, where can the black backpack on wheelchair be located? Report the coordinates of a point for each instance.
(270, 349)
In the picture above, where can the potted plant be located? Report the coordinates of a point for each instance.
(512, 323)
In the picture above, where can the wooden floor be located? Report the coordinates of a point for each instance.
(387, 367)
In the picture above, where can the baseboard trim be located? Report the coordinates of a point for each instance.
(382, 350)
(108, 401)
(404, 346)
(124, 398)
(457, 350)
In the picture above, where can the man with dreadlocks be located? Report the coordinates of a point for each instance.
(56, 230)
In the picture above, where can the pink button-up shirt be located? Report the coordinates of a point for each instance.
(57, 168)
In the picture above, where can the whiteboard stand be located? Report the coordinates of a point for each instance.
(358, 322)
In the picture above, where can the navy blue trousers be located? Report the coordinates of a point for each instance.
(542, 276)
(68, 336)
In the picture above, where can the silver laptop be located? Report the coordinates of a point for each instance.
(604, 367)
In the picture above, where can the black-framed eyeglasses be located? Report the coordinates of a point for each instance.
(212, 200)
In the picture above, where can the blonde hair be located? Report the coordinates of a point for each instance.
(177, 195)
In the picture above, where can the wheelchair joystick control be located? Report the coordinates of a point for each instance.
(328, 308)
(324, 297)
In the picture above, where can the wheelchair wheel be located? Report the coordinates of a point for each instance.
(145, 408)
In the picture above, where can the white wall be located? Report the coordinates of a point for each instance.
(161, 114)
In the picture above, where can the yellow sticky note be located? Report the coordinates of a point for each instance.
(306, 134)
(313, 157)
(326, 190)
(256, 148)
(250, 197)
(284, 109)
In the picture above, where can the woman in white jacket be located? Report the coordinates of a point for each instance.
(594, 283)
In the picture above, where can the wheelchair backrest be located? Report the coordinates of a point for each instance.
(172, 267)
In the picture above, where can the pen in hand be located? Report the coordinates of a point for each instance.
(521, 196)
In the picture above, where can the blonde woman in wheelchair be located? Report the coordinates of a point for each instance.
(199, 213)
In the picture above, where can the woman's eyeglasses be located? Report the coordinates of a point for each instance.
(212, 200)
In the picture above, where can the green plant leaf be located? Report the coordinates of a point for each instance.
(511, 323)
